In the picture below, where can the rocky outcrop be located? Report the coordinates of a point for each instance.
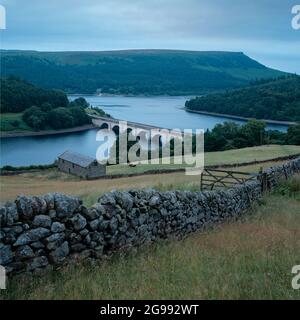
(50, 230)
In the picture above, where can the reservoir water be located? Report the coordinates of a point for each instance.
(166, 112)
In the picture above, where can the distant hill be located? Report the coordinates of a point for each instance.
(135, 71)
(276, 100)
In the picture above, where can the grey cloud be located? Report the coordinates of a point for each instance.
(117, 24)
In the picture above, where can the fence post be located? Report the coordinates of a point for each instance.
(201, 175)
(285, 173)
(263, 180)
(260, 178)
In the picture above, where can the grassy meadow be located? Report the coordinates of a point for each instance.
(234, 156)
(250, 258)
(13, 122)
(51, 180)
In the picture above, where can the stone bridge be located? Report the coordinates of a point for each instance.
(137, 129)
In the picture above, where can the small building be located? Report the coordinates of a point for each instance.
(80, 165)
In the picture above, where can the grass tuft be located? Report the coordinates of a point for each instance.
(290, 188)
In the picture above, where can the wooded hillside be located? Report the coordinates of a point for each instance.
(277, 100)
(156, 72)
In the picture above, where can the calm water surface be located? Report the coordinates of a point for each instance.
(166, 112)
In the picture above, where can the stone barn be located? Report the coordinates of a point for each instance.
(80, 165)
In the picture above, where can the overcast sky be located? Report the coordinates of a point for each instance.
(260, 28)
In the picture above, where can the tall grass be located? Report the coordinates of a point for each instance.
(290, 187)
(248, 259)
(190, 186)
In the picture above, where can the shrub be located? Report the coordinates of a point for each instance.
(60, 118)
(293, 135)
(46, 107)
(15, 123)
(79, 116)
(32, 167)
(35, 118)
(79, 102)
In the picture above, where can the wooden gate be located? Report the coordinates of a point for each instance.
(215, 178)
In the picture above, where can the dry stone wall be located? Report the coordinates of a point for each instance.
(40, 232)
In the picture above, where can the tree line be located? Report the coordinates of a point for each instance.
(230, 135)
(57, 118)
(42, 108)
(276, 100)
(17, 95)
(226, 136)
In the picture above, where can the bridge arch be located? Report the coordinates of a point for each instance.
(116, 129)
(104, 125)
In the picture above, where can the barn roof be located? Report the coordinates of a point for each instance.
(77, 158)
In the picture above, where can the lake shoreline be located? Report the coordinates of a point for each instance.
(25, 148)
(4, 135)
(284, 123)
(8, 134)
(113, 95)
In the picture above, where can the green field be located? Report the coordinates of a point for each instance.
(13, 122)
(51, 180)
(235, 156)
(247, 259)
